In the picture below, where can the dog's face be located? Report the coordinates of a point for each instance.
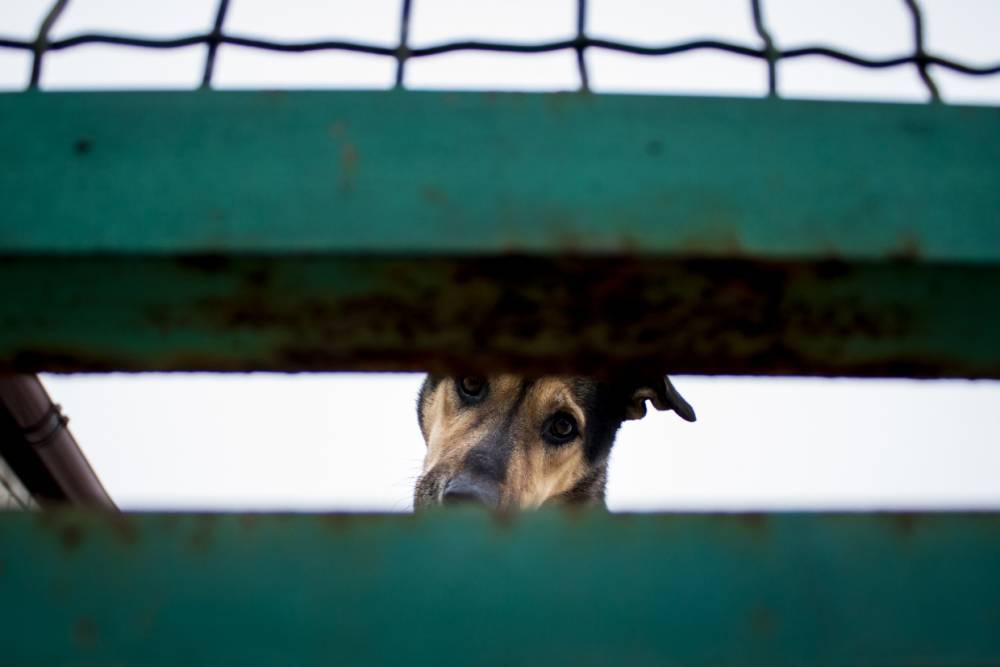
(506, 441)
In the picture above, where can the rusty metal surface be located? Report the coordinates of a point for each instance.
(580, 315)
(572, 233)
(459, 589)
(417, 173)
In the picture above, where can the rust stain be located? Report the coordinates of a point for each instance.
(337, 129)
(434, 195)
(84, 632)
(204, 531)
(348, 167)
(58, 359)
(258, 277)
(147, 619)
(71, 536)
(629, 245)
(755, 521)
(525, 310)
(570, 314)
(504, 519)
(339, 523)
(714, 240)
(564, 236)
(124, 529)
(348, 158)
(908, 248)
(904, 524)
(561, 104)
(210, 263)
(249, 521)
(83, 146)
(763, 621)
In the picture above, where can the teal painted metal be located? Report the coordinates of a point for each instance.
(414, 173)
(583, 315)
(544, 588)
(542, 233)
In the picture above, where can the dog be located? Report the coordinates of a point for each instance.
(509, 442)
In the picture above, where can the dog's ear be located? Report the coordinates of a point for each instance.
(663, 395)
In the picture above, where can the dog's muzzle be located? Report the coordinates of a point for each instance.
(467, 489)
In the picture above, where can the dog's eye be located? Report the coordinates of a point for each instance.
(472, 388)
(560, 429)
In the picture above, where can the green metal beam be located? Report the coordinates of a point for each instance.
(398, 230)
(408, 172)
(534, 315)
(545, 588)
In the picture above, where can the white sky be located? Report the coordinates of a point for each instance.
(347, 441)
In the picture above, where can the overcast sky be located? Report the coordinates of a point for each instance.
(350, 441)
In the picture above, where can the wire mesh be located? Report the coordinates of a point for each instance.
(402, 52)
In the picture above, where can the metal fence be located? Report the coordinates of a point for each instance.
(541, 233)
(919, 57)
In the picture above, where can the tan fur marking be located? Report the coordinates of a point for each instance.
(544, 471)
(452, 431)
(536, 471)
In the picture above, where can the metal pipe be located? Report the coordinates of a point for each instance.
(43, 446)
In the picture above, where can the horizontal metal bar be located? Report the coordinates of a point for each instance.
(468, 589)
(583, 315)
(412, 172)
(400, 230)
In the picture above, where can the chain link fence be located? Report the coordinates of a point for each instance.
(402, 52)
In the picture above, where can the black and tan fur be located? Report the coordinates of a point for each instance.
(508, 445)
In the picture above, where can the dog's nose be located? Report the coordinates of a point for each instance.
(465, 489)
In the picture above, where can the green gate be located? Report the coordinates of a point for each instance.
(403, 230)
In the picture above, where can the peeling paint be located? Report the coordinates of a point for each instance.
(584, 586)
(518, 313)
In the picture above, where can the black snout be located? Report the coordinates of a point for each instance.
(466, 489)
